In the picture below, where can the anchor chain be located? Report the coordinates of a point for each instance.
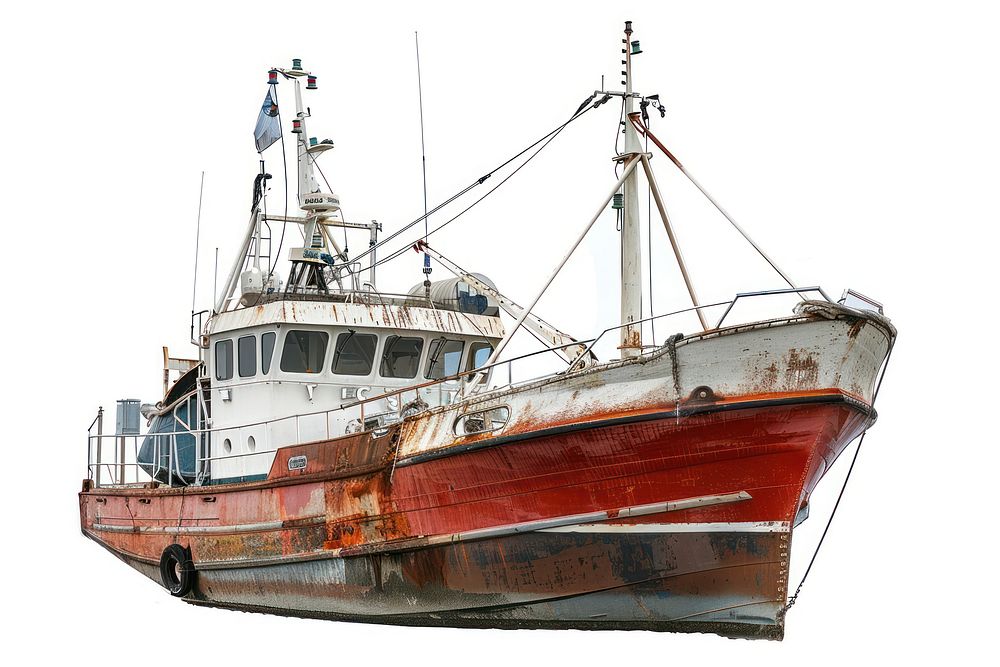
(795, 596)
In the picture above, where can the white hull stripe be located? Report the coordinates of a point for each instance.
(571, 523)
(718, 527)
(493, 531)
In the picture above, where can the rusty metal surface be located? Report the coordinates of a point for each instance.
(728, 583)
(323, 313)
(356, 531)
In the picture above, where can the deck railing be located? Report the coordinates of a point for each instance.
(125, 469)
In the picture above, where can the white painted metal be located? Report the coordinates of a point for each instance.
(631, 249)
(377, 316)
(774, 357)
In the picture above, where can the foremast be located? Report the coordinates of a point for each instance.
(631, 253)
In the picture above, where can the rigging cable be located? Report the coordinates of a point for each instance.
(645, 130)
(482, 179)
(649, 250)
(284, 164)
(544, 141)
(792, 600)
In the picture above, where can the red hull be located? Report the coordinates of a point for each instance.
(353, 498)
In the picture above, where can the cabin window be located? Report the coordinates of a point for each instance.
(266, 351)
(224, 360)
(445, 358)
(246, 356)
(482, 421)
(354, 353)
(479, 354)
(304, 351)
(401, 357)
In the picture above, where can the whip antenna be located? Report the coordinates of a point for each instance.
(197, 240)
(423, 162)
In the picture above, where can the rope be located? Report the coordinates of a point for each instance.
(792, 600)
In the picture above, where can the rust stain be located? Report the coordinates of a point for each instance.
(802, 369)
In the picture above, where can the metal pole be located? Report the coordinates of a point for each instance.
(629, 168)
(121, 461)
(197, 240)
(100, 433)
(373, 243)
(673, 240)
(215, 279)
(631, 244)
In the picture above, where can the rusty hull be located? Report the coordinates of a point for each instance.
(563, 519)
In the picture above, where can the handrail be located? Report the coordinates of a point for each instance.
(642, 321)
(173, 465)
(786, 290)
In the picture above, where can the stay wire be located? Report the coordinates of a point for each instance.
(792, 600)
(649, 248)
(284, 165)
(549, 140)
(542, 140)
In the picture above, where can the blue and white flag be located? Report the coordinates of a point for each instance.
(268, 128)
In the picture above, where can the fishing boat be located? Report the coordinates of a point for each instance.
(343, 452)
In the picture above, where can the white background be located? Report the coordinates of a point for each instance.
(857, 141)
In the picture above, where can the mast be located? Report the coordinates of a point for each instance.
(631, 251)
(319, 250)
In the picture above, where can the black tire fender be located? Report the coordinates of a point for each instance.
(176, 570)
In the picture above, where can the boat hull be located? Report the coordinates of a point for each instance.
(652, 521)
(654, 493)
(723, 579)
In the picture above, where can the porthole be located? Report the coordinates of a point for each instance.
(482, 421)
(227, 446)
(251, 444)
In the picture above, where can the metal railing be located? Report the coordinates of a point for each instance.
(453, 386)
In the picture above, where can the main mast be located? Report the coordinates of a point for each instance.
(631, 253)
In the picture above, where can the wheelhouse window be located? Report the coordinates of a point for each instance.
(354, 353)
(479, 354)
(304, 351)
(401, 357)
(246, 356)
(445, 358)
(266, 351)
(224, 360)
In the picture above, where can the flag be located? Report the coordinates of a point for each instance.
(268, 128)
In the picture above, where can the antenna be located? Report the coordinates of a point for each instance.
(197, 240)
(215, 281)
(423, 161)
